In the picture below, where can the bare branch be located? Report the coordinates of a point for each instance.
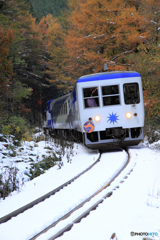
(119, 55)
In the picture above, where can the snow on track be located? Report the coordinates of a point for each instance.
(32, 221)
(52, 179)
(133, 207)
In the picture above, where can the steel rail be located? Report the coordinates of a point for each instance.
(47, 195)
(93, 207)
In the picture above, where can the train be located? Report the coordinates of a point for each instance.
(104, 110)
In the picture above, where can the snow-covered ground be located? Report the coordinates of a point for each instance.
(133, 207)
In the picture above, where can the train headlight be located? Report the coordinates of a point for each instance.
(128, 115)
(97, 118)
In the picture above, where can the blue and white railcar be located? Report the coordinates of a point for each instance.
(104, 110)
(59, 111)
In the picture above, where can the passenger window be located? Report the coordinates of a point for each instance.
(110, 95)
(131, 93)
(65, 108)
(69, 104)
(90, 96)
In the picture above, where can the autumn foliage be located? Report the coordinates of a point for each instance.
(103, 32)
(52, 53)
(123, 34)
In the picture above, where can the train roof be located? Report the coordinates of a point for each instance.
(48, 103)
(108, 76)
(59, 100)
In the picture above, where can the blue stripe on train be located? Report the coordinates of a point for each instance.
(107, 76)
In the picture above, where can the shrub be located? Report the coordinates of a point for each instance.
(151, 130)
(65, 146)
(40, 167)
(15, 126)
(9, 181)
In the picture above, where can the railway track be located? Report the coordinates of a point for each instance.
(44, 197)
(87, 202)
(86, 212)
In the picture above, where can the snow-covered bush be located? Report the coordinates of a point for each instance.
(152, 130)
(9, 180)
(15, 126)
(39, 167)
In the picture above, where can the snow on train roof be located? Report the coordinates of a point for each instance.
(107, 75)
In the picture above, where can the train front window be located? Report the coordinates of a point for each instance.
(110, 95)
(131, 93)
(91, 98)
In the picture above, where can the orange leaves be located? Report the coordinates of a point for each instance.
(147, 101)
(130, 28)
(6, 37)
(99, 32)
(52, 37)
(22, 109)
(42, 27)
(39, 28)
(103, 29)
(49, 30)
(106, 30)
(152, 105)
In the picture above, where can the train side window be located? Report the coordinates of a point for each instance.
(91, 98)
(69, 106)
(131, 93)
(110, 95)
(62, 110)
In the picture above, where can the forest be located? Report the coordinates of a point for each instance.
(45, 46)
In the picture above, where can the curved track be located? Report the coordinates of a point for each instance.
(86, 212)
(42, 198)
(79, 205)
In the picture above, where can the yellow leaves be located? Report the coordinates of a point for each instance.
(6, 130)
(52, 25)
(142, 47)
(42, 27)
(17, 129)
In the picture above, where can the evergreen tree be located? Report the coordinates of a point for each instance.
(41, 8)
(25, 52)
